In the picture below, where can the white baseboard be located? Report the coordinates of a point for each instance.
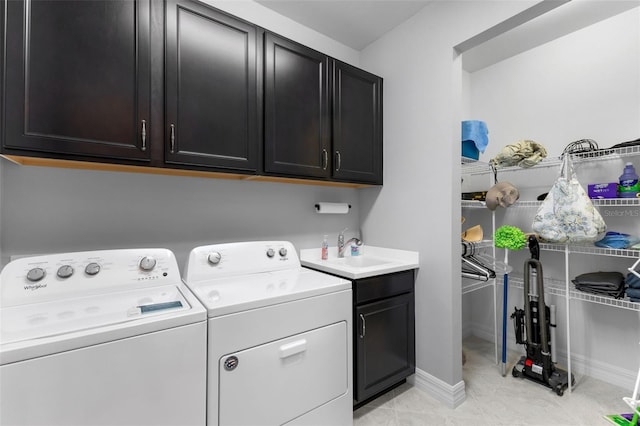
(580, 365)
(450, 395)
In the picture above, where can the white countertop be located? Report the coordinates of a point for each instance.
(372, 261)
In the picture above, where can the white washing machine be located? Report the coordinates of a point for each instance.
(101, 338)
(279, 336)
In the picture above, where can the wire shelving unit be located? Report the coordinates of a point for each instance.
(563, 288)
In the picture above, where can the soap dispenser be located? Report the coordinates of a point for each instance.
(355, 248)
(325, 248)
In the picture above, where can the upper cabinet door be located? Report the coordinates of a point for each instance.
(357, 125)
(77, 78)
(211, 88)
(296, 140)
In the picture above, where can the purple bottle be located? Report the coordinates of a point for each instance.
(628, 186)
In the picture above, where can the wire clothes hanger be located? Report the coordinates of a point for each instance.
(472, 266)
(477, 265)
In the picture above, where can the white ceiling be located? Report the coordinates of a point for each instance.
(358, 23)
(354, 23)
(538, 25)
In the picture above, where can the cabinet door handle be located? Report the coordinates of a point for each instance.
(338, 161)
(172, 138)
(364, 326)
(325, 159)
(143, 135)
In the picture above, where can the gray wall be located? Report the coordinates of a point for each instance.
(48, 210)
(419, 206)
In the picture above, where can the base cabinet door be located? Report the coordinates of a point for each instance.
(384, 344)
(77, 78)
(211, 88)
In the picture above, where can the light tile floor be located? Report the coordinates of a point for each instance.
(493, 400)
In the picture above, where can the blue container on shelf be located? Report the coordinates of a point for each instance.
(474, 138)
(470, 150)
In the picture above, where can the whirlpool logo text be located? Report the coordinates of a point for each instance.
(34, 286)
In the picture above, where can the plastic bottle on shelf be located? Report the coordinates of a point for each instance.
(628, 186)
(325, 247)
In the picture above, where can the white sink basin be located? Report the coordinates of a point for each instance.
(359, 261)
(371, 262)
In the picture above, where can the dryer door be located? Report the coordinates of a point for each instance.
(282, 380)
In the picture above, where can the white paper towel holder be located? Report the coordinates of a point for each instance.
(332, 208)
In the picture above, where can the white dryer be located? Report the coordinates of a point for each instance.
(100, 338)
(279, 336)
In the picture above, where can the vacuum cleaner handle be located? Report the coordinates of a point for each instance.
(534, 247)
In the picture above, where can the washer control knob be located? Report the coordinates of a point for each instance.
(35, 274)
(147, 263)
(65, 271)
(283, 252)
(92, 269)
(271, 253)
(214, 258)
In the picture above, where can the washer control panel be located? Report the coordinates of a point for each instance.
(223, 260)
(49, 277)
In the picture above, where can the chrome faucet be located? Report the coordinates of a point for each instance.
(342, 244)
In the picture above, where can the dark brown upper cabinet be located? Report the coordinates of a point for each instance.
(77, 79)
(296, 109)
(323, 118)
(357, 125)
(212, 102)
(181, 86)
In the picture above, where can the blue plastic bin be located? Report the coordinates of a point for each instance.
(469, 150)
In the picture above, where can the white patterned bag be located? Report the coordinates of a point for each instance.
(567, 215)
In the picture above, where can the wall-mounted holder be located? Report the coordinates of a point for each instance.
(332, 208)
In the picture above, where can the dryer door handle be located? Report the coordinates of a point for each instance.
(293, 348)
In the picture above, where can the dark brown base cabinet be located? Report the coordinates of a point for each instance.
(384, 333)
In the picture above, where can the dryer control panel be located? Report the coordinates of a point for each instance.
(231, 259)
(50, 277)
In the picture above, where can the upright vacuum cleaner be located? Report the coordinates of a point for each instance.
(533, 329)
